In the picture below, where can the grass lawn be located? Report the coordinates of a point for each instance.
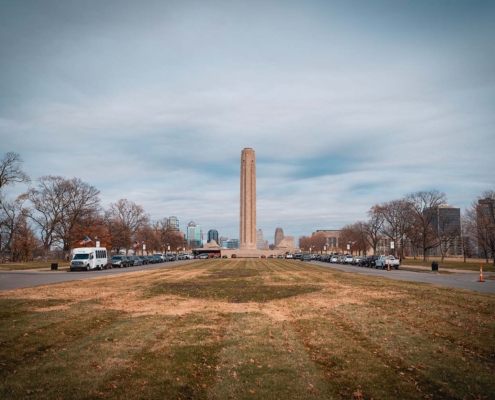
(246, 328)
(20, 266)
(451, 263)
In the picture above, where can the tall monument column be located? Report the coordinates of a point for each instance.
(248, 200)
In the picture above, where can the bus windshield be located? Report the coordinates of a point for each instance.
(81, 256)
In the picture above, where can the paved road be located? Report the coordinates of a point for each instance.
(19, 279)
(467, 280)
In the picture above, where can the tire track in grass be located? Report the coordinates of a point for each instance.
(381, 342)
(37, 361)
(180, 362)
(263, 359)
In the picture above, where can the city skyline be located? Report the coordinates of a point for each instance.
(347, 104)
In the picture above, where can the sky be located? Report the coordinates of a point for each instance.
(347, 104)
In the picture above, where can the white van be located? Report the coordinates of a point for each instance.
(86, 258)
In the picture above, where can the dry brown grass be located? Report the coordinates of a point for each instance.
(246, 329)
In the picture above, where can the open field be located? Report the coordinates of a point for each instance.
(471, 264)
(246, 328)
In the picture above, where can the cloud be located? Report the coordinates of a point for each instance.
(346, 104)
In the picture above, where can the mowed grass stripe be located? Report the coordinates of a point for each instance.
(246, 329)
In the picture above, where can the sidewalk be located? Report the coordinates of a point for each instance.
(440, 269)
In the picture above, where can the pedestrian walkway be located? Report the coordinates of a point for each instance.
(440, 269)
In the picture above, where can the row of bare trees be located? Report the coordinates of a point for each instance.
(423, 222)
(60, 212)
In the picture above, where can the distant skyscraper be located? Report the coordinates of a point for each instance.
(279, 235)
(213, 235)
(485, 226)
(261, 243)
(446, 221)
(231, 244)
(194, 235)
(248, 200)
(173, 223)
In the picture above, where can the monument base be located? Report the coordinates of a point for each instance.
(256, 253)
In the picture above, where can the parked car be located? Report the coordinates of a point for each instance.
(372, 261)
(224, 256)
(136, 261)
(356, 260)
(334, 259)
(144, 259)
(120, 261)
(347, 259)
(289, 256)
(364, 262)
(203, 256)
(306, 257)
(384, 261)
(158, 258)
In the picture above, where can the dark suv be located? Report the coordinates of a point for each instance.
(372, 261)
(120, 261)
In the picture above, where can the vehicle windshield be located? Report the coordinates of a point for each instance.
(81, 256)
(117, 258)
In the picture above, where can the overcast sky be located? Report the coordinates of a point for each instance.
(346, 103)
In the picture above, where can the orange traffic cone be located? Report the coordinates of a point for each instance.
(481, 274)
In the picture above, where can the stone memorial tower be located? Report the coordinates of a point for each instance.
(248, 200)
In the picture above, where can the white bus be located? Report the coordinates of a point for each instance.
(87, 258)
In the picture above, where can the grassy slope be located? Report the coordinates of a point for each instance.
(246, 329)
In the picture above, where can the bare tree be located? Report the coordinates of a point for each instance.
(81, 205)
(61, 210)
(372, 228)
(25, 241)
(397, 221)
(11, 213)
(148, 236)
(481, 217)
(304, 243)
(353, 237)
(10, 170)
(468, 235)
(318, 242)
(125, 218)
(47, 211)
(424, 211)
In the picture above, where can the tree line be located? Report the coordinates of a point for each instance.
(61, 212)
(420, 222)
